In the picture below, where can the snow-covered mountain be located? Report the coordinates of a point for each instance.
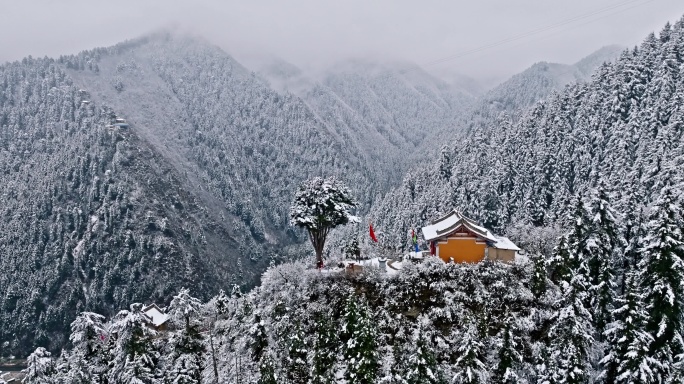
(191, 186)
(621, 130)
(539, 81)
(131, 171)
(390, 112)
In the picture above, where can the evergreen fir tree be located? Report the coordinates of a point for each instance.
(603, 243)
(324, 351)
(561, 262)
(470, 366)
(186, 342)
(40, 367)
(221, 303)
(295, 367)
(539, 279)
(133, 355)
(422, 364)
(634, 234)
(628, 360)
(661, 274)
(258, 338)
(267, 371)
(87, 360)
(185, 370)
(360, 351)
(510, 355)
(570, 336)
(138, 370)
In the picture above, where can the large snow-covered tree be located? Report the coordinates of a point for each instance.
(133, 354)
(186, 341)
(604, 242)
(319, 206)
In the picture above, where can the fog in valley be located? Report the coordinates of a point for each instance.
(489, 40)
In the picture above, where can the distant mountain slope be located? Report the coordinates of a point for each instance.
(382, 110)
(622, 130)
(537, 83)
(195, 189)
(194, 192)
(397, 115)
(91, 217)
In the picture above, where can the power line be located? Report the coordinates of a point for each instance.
(619, 7)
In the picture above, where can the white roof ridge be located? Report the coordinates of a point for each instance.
(449, 223)
(446, 216)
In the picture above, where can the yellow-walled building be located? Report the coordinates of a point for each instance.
(457, 238)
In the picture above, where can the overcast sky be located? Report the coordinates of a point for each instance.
(314, 33)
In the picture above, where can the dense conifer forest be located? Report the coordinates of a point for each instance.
(191, 185)
(161, 170)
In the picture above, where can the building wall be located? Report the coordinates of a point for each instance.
(504, 255)
(461, 249)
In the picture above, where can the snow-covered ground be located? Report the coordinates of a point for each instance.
(389, 266)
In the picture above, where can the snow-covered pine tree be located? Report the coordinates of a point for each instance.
(570, 336)
(604, 242)
(87, 360)
(661, 273)
(183, 309)
(40, 367)
(186, 341)
(267, 370)
(319, 206)
(133, 355)
(185, 370)
(360, 350)
(258, 338)
(324, 352)
(539, 280)
(579, 248)
(221, 303)
(510, 355)
(634, 234)
(295, 366)
(628, 360)
(139, 369)
(561, 263)
(470, 366)
(422, 365)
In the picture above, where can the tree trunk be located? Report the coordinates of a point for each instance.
(213, 351)
(317, 238)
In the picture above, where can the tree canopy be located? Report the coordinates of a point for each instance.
(319, 206)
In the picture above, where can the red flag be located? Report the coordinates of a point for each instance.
(372, 233)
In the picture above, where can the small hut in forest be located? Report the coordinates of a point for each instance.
(157, 317)
(456, 238)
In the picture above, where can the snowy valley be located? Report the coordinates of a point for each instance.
(162, 171)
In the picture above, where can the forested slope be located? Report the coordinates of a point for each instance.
(194, 191)
(623, 130)
(388, 113)
(91, 217)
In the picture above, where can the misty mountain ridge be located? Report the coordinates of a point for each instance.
(541, 79)
(194, 189)
(398, 105)
(620, 132)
